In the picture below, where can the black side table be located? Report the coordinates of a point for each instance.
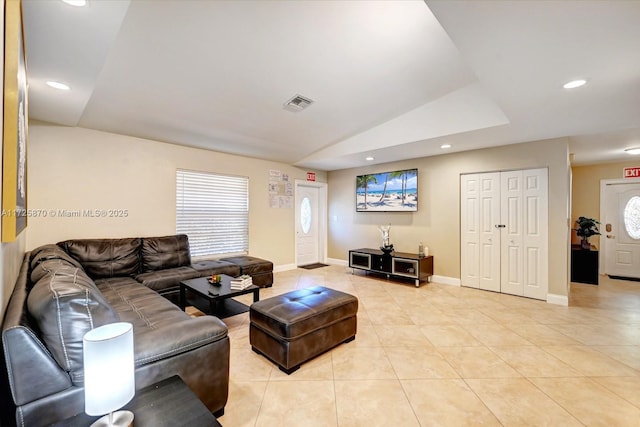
(584, 265)
(166, 403)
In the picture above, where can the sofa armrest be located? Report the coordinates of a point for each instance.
(31, 370)
(35, 376)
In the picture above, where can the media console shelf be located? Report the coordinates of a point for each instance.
(399, 264)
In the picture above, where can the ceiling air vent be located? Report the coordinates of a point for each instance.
(297, 103)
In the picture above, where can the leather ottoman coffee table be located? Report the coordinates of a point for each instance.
(294, 327)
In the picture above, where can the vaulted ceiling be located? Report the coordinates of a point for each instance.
(389, 79)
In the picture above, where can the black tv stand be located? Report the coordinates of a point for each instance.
(398, 264)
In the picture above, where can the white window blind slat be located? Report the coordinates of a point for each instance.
(213, 210)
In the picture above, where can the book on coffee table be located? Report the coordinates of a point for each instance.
(241, 282)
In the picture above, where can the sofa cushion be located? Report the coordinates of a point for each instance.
(167, 279)
(160, 329)
(165, 252)
(46, 253)
(209, 267)
(106, 257)
(250, 265)
(66, 304)
(48, 266)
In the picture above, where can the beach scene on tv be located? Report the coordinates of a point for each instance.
(387, 191)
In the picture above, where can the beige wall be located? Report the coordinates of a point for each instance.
(437, 222)
(76, 168)
(585, 198)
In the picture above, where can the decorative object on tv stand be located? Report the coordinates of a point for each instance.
(395, 191)
(586, 227)
(109, 380)
(386, 247)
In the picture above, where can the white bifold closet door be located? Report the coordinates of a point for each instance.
(504, 232)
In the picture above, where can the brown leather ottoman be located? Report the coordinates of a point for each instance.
(294, 327)
(260, 270)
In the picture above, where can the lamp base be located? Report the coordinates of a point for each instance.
(119, 418)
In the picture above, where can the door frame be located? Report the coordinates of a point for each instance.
(603, 187)
(322, 221)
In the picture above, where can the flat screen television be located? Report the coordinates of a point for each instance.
(395, 191)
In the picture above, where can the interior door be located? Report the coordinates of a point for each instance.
(524, 214)
(480, 246)
(621, 229)
(307, 225)
(504, 232)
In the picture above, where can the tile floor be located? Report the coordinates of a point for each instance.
(442, 355)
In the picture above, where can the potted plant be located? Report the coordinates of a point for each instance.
(586, 227)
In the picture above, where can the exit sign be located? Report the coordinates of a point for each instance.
(311, 176)
(632, 172)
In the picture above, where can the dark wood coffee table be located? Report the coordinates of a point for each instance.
(168, 403)
(215, 300)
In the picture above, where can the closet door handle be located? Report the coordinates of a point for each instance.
(500, 226)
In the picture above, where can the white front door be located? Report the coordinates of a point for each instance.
(310, 223)
(620, 229)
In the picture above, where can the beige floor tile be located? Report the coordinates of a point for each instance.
(541, 334)
(245, 400)
(449, 336)
(419, 362)
(401, 336)
(245, 364)
(431, 316)
(413, 379)
(447, 402)
(477, 362)
(627, 354)
(495, 334)
(361, 363)
(298, 403)
(388, 316)
(373, 403)
(531, 361)
(626, 387)
(590, 402)
(366, 336)
(590, 362)
(517, 402)
(471, 317)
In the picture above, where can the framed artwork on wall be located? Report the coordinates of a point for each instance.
(14, 149)
(395, 191)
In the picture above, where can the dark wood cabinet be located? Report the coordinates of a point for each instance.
(584, 266)
(398, 264)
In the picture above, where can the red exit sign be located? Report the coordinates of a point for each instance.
(311, 176)
(632, 172)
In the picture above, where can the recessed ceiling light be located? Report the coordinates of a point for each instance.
(574, 84)
(369, 159)
(633, 151)
(58, 85)
(78, 3)
(445, 146)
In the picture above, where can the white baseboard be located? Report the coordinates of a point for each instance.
(558, 299)
(284, 267)
(444, 280)
(336, 261)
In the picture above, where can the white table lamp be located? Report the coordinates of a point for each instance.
(109, 379)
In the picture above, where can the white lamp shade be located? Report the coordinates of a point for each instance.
(109, 379)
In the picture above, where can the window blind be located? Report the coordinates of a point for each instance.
(213, 210)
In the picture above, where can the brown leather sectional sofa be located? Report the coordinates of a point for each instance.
(66, 289)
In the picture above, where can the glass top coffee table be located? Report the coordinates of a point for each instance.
(213, 299)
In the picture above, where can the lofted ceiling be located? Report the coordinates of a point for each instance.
(389, 79)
